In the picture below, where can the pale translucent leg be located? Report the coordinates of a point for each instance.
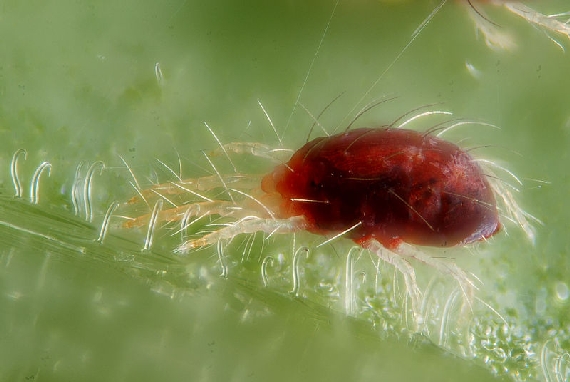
(197, 185)
(549, 23)
(507, 201)
(216, 207)
(256, 149)
(443, 266)
(398, 258)
(249, 224)
(513, 211)
(407, 271)
(494, 38)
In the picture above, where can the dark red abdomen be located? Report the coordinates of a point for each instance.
(392, 185)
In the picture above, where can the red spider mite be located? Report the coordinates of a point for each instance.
(386, 184)
(389, 190)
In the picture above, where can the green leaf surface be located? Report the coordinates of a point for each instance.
(132, 84)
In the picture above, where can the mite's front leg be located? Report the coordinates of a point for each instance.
(248, 224)
(214, 207)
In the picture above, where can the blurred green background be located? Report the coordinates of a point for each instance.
(86, 81)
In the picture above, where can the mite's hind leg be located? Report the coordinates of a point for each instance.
(248, 224)
(407, 271)
(214, 207)
(445, 267)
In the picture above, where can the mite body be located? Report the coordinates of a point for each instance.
(386, 184)
(389, 190)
